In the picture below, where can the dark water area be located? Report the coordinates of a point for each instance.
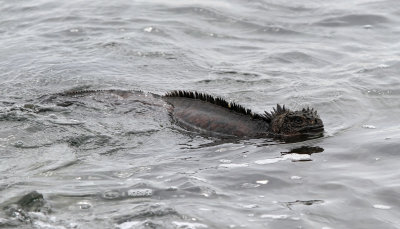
(108, 162)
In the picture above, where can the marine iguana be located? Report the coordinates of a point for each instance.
(217, 117)
(214, 116)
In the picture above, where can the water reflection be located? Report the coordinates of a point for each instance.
(305, 150)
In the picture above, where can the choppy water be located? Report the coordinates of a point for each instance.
(98, 167)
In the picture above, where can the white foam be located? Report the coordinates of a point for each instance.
(381, 206)
(297, 157)
(249, 206)
(220, 150)
(233, 165)
(274, 216)
(44, 225)
(250, 185)
(383, 66)
(65, 121)
(84, 204)
(262, 181)
(367, 26)
(199, 179)
(188, 225)
(269, 161)
(296, 178)
(128, 225)
(291, 156)
(148, 29)
(140, 192)
(225, 161)
(368, 126)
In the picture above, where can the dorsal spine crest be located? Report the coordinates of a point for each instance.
(217, 101)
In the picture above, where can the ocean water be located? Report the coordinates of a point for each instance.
(122, 164)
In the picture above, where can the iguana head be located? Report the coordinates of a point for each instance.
(287, 123)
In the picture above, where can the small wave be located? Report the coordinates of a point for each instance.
(298, 57)
(64, 121)
(277, 30)
(353, 20)
(148, 212)
(200, 11)
(85, 140)
(233, 72)
(230, 81)
(13, 116)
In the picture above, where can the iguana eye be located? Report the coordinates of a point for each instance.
(298, 120)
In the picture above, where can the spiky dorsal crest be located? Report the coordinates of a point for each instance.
(81, 92)
(215, 100)
(282, 109)
(310, 111)
(276, 111)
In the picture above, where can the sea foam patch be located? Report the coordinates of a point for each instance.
(290, 156)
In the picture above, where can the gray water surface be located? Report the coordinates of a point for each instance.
(114, 163)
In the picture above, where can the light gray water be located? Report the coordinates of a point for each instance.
(125, 165)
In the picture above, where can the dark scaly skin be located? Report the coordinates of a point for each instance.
(296, 122)
(216, 117)
(214, 120)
